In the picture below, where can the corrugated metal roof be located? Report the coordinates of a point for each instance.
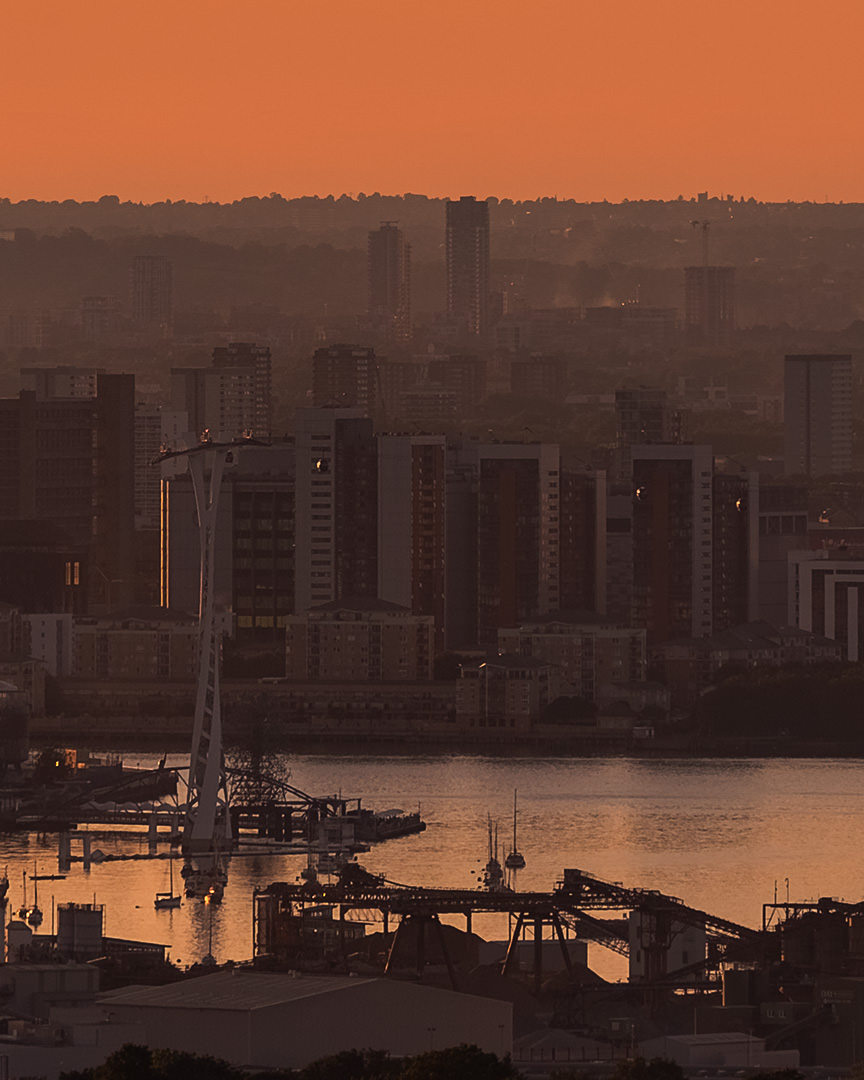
(238, 991)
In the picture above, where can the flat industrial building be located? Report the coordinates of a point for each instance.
(286, 1019)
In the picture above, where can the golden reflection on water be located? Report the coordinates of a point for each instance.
(717, 834)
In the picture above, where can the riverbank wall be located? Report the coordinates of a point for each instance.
(413, 718)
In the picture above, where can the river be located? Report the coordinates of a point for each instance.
(719, 834)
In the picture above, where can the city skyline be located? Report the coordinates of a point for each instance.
(529, 492)
(666, 101)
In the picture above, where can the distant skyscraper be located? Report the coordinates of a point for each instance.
(464, 376)
(251, 367)
(345, 377)
(390, 281)
(231, 396)
(153, 294)
(539, 377)
(643, 415)
(100, 317)
(818, 415)
(709, 302)
(468, 263)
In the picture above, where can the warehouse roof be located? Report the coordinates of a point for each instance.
(239, 991)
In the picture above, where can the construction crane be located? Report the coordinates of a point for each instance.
(704, 226)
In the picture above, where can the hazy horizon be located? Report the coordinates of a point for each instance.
(686, 196)
(211, 102)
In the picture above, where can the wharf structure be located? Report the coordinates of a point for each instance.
(261, 806)
(280, 909)
(719, 993)
(789, 990)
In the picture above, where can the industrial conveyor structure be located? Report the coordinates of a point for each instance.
(571, 909)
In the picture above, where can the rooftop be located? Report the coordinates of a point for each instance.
(361, 603)
(571, 618)
(515, 661)
(238, 991)
(141, 614)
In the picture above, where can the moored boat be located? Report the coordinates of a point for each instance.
(515, 859)
(167, 900)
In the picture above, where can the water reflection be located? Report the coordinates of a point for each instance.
(717, 834)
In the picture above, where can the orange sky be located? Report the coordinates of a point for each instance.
(154, 99)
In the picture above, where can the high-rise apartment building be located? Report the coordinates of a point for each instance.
(390, 282)
(709, 305)
(735, 539)
(467, 249)
(817, 415)
(463, 376)
(262, 540)
(336, 507)
(112, 547)
(539, 377)
(782, 529)
(100, 318)
(503, 532)
(412, 524)
(644, 415)
(673, 565)
(27, 330)
(69, 460)
(155, 427)
(461, 543)
(826, 597)
(518, 532)
(345, 377)
(583, 539)
(694, 543)
(254, 546)
(49, 383)
(41, 570)
(230, 397)
(153, 294)
(245, 371)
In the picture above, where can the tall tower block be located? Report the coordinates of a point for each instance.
(817, 415)
(467, 245)
(153, 294)
(709, 305)
(390, 281)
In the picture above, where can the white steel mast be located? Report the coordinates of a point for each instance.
(207, 824)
